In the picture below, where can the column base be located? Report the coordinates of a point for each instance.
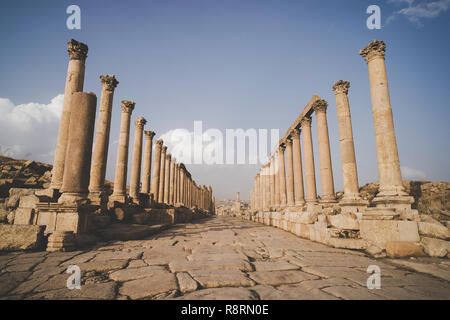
(401, 202)
(73, 198)
(355, 204)
(122, 198)
(61, 241)
(98, 198)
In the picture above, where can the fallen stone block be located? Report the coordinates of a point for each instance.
(21, 237)
(402, 249)
(433, 230)
(435, 247)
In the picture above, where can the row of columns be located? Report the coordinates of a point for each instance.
(289, 190)
(77, 179)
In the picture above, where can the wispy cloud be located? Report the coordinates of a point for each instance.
(412, 174)
(417, 11)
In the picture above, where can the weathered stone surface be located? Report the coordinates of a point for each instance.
(186, 283)
(379, 232)
(103, 265)
(433, 230)
(307, 217)
(273, 265)
(23, 216)
(280, 277)
(436, 270)
(435, 247)
(137, 273)
(400, 249)
(220, 294)
(20, 237)
(103, 291)
(352, 293)
(221, 278)
(344, 221)
(150, 286)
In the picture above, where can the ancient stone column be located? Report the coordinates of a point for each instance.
(277, 179)
(167, 178)
(162, 175)
(348, 159)
(181, 187)
(390, 177)
(289, 174)
(79, 147)
(136, 159)
(326, 171)
(261, 189)
(272, 182)
(120, 179)
(157, 170)
(74, 83)
(256, 192)
(310, 176)
(146, 174)
(267, 183)
(264, 188)
(172, 182)
(100, 156)
(298, 170)
(282, 173)
(177, 184)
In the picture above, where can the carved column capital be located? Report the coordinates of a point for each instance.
(159, 143)
(288, 141)
(109, 82)
(140, 122)
(295, 133)
(149, 134)
(305, 122)
(168, 156)
(77, 50)
(320, 106)
(281, 148)
(164, 149)
(341, 86)
(128, 106)
(375, 49)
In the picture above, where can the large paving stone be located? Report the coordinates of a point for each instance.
(103, 266)
(280, 277)
(186, 283)
(21, 237)
(220, 294)
(221, 278)
(352, 293)
(273, 265)
(149, 286)
(184, 265)
(95, 291)
(137, 273)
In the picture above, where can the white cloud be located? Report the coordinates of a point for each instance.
(29, 130)
(416, 11)
(412, 174)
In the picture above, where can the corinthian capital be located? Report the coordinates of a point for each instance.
(128, 106)
(341, 86)
(164, 149)
(140, 122)
(168, 156)
(320, 106)
(373, 50)
(109, 82)
(281, 148)
(295, 133)
(77, 50)
(305, 122)
(149, 134)
(159, 143)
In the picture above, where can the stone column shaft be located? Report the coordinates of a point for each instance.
(157, 169)
(120, 179)
(326, 170)
(277, 179)
(162, 175)
(298, 170)
(289, 174)
(272, 182)
(100, 156)
(172, 182)
(282, 173)
(74, 83)
(310, 176)
(146, 174)
(136, 159)
(79, 146)
(167, 178)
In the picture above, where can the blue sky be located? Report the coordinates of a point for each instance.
(232, 64)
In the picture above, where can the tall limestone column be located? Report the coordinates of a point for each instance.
(310, 175)
(391, 192)
(177, 184)
(326, 171)
(181, 186)
(298, 170)
(277, 179)
(157, 170)
(351, 195)
(136, 159)
(100, 156)
(79, 147)
(265, 189)
(272, 182)
(282, 173)
(74, 83)
(162, 175)
(289, 174)
(172, 182)
(120, 179)
(146, 174)
(256, 192)
(167, 178)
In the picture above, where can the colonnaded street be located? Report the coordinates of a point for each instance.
(219, 258)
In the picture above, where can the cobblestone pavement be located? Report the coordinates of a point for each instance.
(219, 258)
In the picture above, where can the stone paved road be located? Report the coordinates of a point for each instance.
(217, 258)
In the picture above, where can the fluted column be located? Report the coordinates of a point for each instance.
(282, 173)
(162, 175)
(389, 173)
(298, 168)
(146, 174)
(74, 83)
(289, 174)
(136, 159)
(79, 146)
(157, 169)
(100, 155)
(326, 171)
(310, 175)
(120, 179)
